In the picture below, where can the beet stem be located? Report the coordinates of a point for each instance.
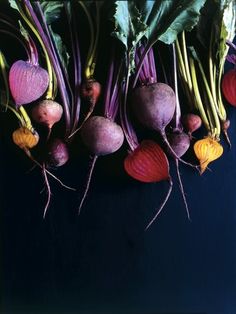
(53, 57)
(182, 189)
(88, 183)
(48, 190)
(163, 203)
(177, 115)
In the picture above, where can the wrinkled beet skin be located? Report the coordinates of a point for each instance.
(47, 112)
(27, 82)
(154, 105)
(58, 153)
(102, 136)
(179, 142)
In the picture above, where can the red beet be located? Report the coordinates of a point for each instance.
(147, 163)
(229, 86)
(47, 112)
(91, 90)
(27, 82)
(191, 122)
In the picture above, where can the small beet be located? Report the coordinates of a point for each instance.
(27, 82)
(229, 87)
(191, 122)
(179, 142)
(25, 138)
(91, 90)
(47, 112)
(102, 136)
(58, 153)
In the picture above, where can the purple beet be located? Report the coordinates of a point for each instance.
(102, 136)
(179, 142)
(58, 153)
(154, 105)
(27, 82)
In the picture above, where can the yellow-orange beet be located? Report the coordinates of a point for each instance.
(25, 138)
(206, 151)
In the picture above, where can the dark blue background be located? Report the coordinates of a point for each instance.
(101, 262)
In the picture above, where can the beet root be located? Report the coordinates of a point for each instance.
(154, 105)
(102, 136)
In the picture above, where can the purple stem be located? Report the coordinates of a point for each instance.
(142, 77)
(125, 123)
(152, 65)
(56, 65)
(108, 87)
(177, 116)
(37, 4)
(139, 67)
(34, 57)
(77, 74)
(232, 45)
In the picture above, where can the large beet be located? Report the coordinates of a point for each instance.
(154, 105)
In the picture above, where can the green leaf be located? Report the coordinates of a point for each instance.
(218, 16)
(13, 4)
(128, 25)
(52, 12)
(167, 18)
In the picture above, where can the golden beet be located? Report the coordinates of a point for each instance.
(25, 138)
(206, 151)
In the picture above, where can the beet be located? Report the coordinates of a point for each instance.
(191, 122)
(179, 142)
(154, 105)
(101, 135)
(91, 90)
(147, 163)
(58, 153)
(229, 86)
(47, 112)
(27, 82)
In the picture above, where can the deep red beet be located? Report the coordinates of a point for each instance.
(229, 86)
(27, 82)
(147, 163)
